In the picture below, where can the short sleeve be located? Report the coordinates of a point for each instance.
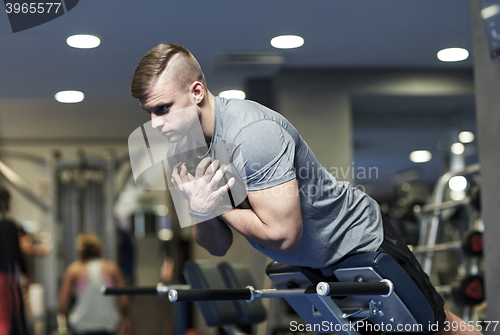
(267, 153)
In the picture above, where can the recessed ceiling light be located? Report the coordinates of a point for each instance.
(453, 55)
(466, 137)
(457, 148)
(69, 97)
(287, 42)
(83, 41)
(420, 156)
(233, 94)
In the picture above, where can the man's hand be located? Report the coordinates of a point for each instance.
(201, 190)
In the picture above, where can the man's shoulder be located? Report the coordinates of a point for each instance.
(244, 110)
(248, 104)
(238, 115)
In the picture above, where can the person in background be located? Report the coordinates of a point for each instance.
(92, 312)
(29, 249)
(12, 320)
(28, 246)
(126, 255)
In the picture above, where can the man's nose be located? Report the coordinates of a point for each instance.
(156, 121)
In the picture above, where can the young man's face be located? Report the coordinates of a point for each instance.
(173, 111)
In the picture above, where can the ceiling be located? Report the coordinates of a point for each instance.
(37, 63)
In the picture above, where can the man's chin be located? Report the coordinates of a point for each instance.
(173, 138)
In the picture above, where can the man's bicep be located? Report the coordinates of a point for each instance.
(278, 205)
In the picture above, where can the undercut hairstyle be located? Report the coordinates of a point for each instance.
(4, 201)
(185, 68)
(89, 245)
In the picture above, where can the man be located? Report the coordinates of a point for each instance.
(297, 213)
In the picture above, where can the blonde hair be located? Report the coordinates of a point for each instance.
(89, 246)
(186, 68)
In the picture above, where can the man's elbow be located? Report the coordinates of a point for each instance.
(216, 249)
(291, 242)
(290, 247)
(218, 252)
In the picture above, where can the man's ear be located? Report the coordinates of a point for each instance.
(198, 91)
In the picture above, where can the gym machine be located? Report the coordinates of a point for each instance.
(368, 290)
(468, 289)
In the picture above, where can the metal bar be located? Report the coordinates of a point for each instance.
(444, 289)
(107, 209)
(128, 290)
(22, 187)
(179, 293)
(445, 205)
(239, 294)
(210, 295)
(431, 242)
(50, 272)
(357, 312)
(271, 293)
(383, 288)
(160, 289)
(456, 245)
(23, 156)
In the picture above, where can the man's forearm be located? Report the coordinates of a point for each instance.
(213, 235)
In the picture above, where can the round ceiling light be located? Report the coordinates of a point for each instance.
(83, 41)
(233, 94)
(69, 97)
(420, 156)
(287, 42)
(453, 55)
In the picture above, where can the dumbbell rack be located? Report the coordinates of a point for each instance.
(430, 219)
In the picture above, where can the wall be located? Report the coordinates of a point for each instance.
(319, 103)
(487, 85)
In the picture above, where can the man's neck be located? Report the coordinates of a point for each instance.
(207, 117)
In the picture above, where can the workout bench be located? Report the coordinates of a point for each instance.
(370, 286)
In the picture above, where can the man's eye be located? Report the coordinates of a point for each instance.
(162, 109)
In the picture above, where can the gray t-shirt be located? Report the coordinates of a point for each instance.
(337, 219)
